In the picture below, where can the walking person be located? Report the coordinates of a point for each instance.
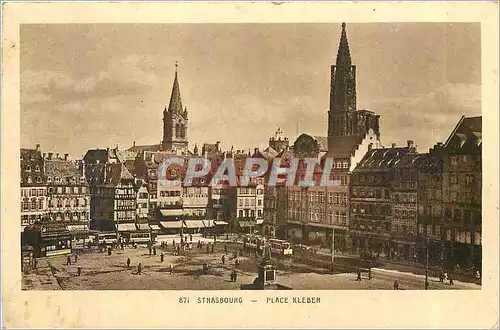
(213, 248)
(225, 248)
(161, 257)
(369, 273)
(223, 259)
(235, 275)
(68, 260)
(149, 250)
(154, 250)
(76, 258)
(396, 285)
(79, 270)
(232, 276)
(451, 280)
(35, 263)
(208, 248)
(441, 277)
(128, 262)
(139, 268)
(171, 269)
(359, 276)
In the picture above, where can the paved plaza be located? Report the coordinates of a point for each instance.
(100, 271)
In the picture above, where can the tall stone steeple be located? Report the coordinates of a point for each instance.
(341, 115)
(175, 121)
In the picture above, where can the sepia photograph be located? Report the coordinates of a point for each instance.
(211, 162)
(100, 113)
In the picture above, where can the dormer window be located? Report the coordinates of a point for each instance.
(28, 168)
(39, 180)
(37, 168)
(58, 179)
(29, 179)
(49, 179)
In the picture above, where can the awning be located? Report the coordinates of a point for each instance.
(171, 212)
(208, 223)
(194, 223)
(220, 223)
(171, 224)
(246, 224)
(77, 227)
(155, 227)
(143, 226)
(126, 227)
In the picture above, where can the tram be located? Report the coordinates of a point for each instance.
(281, 248)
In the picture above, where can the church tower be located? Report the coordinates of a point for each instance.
(175, 120)
(342, 112)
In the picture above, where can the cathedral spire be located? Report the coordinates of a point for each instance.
(175, 104)
(343, 54)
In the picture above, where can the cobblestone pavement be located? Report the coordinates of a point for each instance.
(102, 272)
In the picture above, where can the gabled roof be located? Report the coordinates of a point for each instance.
(344, 146)
(383, 158)
(322, 142)
(63, 169)
(148, 147)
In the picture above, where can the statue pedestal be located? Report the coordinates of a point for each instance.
(266, 275)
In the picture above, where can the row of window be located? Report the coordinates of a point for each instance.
(460, 179)
(67, 190)
(33, 192)
(249, 213)
(68, 180)
(248, 202)
(170, 193)
(125, 202)
(370, 193)
(250, 191)
(28, 168)
(404, 197)
(123, 215)
(371, 209)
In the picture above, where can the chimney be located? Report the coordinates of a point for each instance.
(430, 150)
(394, 145)
(409, 143)
(134, 143)
(256, 150)
(66, 156)
(43, 155)
(57, 155)
(217, 145)
(50, 155)
(440, 144)
(37, 147)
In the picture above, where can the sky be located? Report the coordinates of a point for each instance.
(86, 86)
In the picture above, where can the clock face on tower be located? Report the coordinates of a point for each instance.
(173, 172)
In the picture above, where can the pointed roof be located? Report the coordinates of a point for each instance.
(343, 54)
(175, 104)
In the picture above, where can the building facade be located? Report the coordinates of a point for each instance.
(33, 187)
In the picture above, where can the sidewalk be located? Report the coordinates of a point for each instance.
(40, 279)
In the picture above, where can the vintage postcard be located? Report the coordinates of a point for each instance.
(176, 164)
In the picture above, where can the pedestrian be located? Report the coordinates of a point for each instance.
(139, 268)
(190, 238)
(122, 246)
(451, 280)
(396, 285)
(79, 270)
(149, 248)
(161, 257)
(236, 263)
(223, 259)
(128, 262)
(135, 245)
(109, 250)
(68, 260)
(208, 248)
(232, 276)
(76, 258)
(154, 250)
(235, 276)
(171, 269)
(441, 277)
(178, 249)
(213, 248)
(35, 263)
(359, 276)
(369, 273)
(225, 248)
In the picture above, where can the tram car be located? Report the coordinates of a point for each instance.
(255, 242)
(140, 237)
(281, 248)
